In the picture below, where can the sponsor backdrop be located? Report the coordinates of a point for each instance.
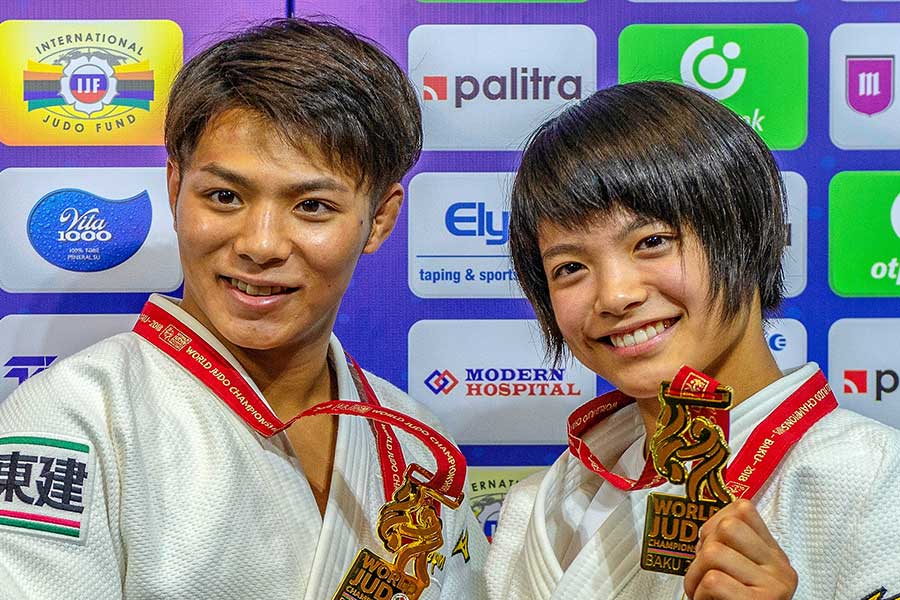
(87, 231)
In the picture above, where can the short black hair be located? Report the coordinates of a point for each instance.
(663, 151)
(325, 90)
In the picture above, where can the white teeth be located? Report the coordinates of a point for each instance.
(252, 290)
(639, 335)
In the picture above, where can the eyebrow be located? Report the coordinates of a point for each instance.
(633, 225)
(315, 184)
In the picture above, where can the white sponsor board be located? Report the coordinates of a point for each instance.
(487, 87)
(488, 381)
(87, 230)
(794, 260)
(863, 86)
(788, 342)
(31, 343)
(864, 367)
(459, 236)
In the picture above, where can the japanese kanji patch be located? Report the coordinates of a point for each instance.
(45, 485)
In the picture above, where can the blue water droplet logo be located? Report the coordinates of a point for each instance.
(79, 231)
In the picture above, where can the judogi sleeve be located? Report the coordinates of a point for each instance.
(59, 490)
(871, 545)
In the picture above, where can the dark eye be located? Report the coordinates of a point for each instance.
(224, 197)
(311, 207)
(654, 241)
(567, 269)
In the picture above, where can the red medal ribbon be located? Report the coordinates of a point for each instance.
(767, 445)
(202, 360)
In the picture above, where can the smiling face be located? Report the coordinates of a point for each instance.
(268, 238)
(631, 299)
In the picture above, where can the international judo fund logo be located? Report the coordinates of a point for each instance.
(99, 82)
(79, 231)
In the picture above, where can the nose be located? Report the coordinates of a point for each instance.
(263, 238)
(619, 290)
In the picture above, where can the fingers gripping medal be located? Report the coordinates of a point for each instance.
(691, 428)
(409, 526)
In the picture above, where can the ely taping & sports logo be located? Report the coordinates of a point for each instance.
(86, 82)
(758, 71)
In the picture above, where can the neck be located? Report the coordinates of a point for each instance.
(291, 378)
(291, 382)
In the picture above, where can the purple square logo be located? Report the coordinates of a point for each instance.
(870, 83)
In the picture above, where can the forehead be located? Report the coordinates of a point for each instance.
(613, 224)
(246, 142)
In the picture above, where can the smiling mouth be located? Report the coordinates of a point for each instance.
(253, 290)
(639, 335)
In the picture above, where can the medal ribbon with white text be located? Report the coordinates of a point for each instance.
(207, 364)
(767, 445)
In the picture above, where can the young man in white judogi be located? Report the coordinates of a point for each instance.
(647, 229)
(124, 474)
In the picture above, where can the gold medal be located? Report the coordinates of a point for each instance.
(673, 522)
(411, 529)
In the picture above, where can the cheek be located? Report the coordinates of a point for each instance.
(571, 310)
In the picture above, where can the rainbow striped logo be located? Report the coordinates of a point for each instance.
(86, 82)
(88, 85)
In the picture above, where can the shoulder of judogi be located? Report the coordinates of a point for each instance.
(59, 470)
(78, 386)
(832, 505)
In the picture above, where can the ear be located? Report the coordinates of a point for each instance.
(173, 183)
(385, 218)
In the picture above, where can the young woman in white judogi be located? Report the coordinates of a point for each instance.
(647, 229)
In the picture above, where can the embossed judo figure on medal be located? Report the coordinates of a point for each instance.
(409, 526)
(691, 428)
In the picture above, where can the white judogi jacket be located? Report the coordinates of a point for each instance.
(182, 499)
(832, 504)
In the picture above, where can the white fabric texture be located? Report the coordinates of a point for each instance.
(188, 502)
(830, 504)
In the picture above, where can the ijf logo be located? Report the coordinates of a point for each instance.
(863, 75)
(511, 76)
(441, 382)
(100, 82)
(735, 64)
(864, 205)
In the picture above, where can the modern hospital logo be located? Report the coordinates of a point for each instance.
(441, 382)
(870, 83)
(508, 76)
(79, 231)
(505, 382)
(101, 82)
